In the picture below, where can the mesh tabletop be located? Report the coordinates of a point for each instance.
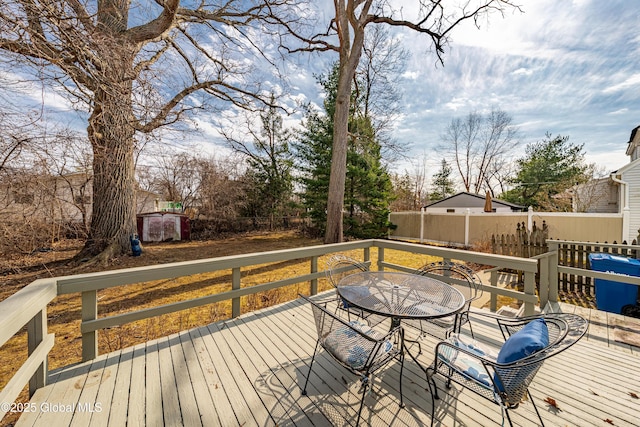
(400, 295)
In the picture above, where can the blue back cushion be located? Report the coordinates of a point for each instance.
(530, 339)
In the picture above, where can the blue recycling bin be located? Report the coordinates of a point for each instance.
(612, 296)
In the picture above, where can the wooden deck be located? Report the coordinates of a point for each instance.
(248, 371)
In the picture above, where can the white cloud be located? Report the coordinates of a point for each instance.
(628, 83)
(620, 111)
(522, 72)
(410, 75)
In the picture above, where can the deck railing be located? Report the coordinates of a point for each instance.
(28, 306)
(550, 268)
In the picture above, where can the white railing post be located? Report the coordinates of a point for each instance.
(89, 312)
(314, 269)
(543, 268)
(493, 302)
(530, 218)
(529, 289)
(380, 258)
(466, 227)
(421, 225)
(36, 331)
(235, 284)
(553, 271)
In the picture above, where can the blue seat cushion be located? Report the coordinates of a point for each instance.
(527, 341)
(467, 365)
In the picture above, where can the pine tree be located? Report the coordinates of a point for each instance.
(442, 185)
(368, 189)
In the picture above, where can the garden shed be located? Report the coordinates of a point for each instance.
(163, 226)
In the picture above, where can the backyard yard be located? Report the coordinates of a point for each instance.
(64, 312)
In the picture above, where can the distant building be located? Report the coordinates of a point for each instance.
(617, 193)
(459, 203)
(64, 198)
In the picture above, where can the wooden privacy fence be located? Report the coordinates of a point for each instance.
(523, 243)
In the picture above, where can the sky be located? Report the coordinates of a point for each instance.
(562, 67)
(569, 68)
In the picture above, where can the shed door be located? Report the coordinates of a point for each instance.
(169, 228)
(154, 229)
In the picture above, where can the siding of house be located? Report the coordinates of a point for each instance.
(632, 177)
(598, 196)
(50, 198)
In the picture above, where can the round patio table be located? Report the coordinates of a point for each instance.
(400, 295)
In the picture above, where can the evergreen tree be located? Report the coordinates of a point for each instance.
(269, 181)
(548, 168)
(443, 186)
(313, 153)
(368, 190)
(403, 190)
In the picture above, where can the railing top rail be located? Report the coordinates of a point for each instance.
(604, 245)
(505, 261)
(108, 279)
(544, 255)
(22, 306)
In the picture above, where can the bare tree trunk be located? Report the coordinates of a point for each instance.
(335, 201)
(112, 137)
(349, 59)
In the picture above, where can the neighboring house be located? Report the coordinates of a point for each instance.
(596, 196)
(463, 201)
(617, 193)
(56, 198)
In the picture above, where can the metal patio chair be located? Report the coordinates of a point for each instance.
(503, 375)
(463, 279)
(354, 345)
(339, 266)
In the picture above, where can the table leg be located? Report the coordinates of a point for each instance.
(395, 322)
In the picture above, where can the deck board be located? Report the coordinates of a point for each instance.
(249, 371)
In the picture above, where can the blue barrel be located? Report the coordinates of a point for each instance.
(612, 296)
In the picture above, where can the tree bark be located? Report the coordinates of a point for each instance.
(335, 200)
(346, 23)
(111, 133)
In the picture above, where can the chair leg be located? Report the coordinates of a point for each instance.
(401, 369)
(365, 385)
(536, 408)
(430, 380)
(433, 392)
(306, 381)
(506, 411)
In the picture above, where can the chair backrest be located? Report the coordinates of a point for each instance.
(339, 265)
(513, 380)
(457, 275)
(354, 345)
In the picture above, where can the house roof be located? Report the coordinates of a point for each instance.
(470, 200)
(625, 168)
(633, 141)
(633, 134)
